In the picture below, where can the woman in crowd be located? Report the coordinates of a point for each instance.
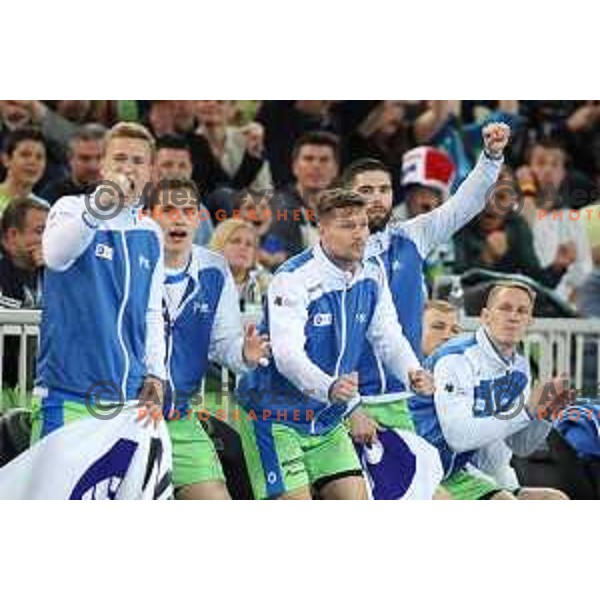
(238, 242)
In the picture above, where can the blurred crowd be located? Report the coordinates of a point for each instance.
(258, 166)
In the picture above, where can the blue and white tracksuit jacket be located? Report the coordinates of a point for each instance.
(203, 323)
(401, 250)
(318, 320)
(102, 324)
(477, 413)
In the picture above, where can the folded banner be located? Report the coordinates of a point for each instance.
(400, 465)
(88, 459)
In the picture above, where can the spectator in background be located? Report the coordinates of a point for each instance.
(24, 157)
(315, 164)
(177, 117)
(255, 207)
(500, 240)
(576, 123)
(387, 129)
(174, 161)
(21, 269)
(427, 175)
(85, 156)
(22, 226)
(588, 294)
(555, 233)
(237, 241)
(229, 144)
(285, 122)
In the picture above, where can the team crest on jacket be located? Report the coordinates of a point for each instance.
(322, 319)
(104, 251)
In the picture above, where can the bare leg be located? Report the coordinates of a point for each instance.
(503, 495)
(299, 494)
(541, 494)
(207, 490)
(441, 493)
(346, 488)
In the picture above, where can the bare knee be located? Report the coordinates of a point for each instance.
(541, 494)
(299, 494)
(207, 490)
(441, 493)
(503, 495)
(346, 488)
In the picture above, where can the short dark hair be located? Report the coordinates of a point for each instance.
(548, 143)
(90, 132)
(173, 142)
(172, 183)
(362, 165)
(328, 200)
(257, 196)
(317, 138)
(16, 213)
(23, 134)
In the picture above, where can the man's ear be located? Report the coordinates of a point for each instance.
(485, 315)
(5, 160)
(9, 235)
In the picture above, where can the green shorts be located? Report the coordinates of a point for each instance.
(471, 484)
(46, 417)
(282, 460)
(194, 457)
(392, 415)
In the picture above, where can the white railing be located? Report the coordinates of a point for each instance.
(23, 324)
(557, 345)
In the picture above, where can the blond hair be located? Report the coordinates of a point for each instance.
(133, 131)
(441, 306)
(496, 288)
(225, 230)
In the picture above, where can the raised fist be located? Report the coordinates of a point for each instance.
(495, 138)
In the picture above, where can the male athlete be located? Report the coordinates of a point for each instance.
(401, 249)
(203, 323)
(483, 408)
(102, 331)
(323, 305)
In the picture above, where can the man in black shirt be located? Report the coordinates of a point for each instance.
(85, 155)
(21, 268)
(315, 163)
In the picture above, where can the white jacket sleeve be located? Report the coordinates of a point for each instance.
(288, 314)
(70, 229)
(388, 341)
(529, 439)
(454, 400)
(227, 336)
(437, 227)
(494, 460)
(155, 326)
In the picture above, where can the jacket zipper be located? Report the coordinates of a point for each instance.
(121, 314)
